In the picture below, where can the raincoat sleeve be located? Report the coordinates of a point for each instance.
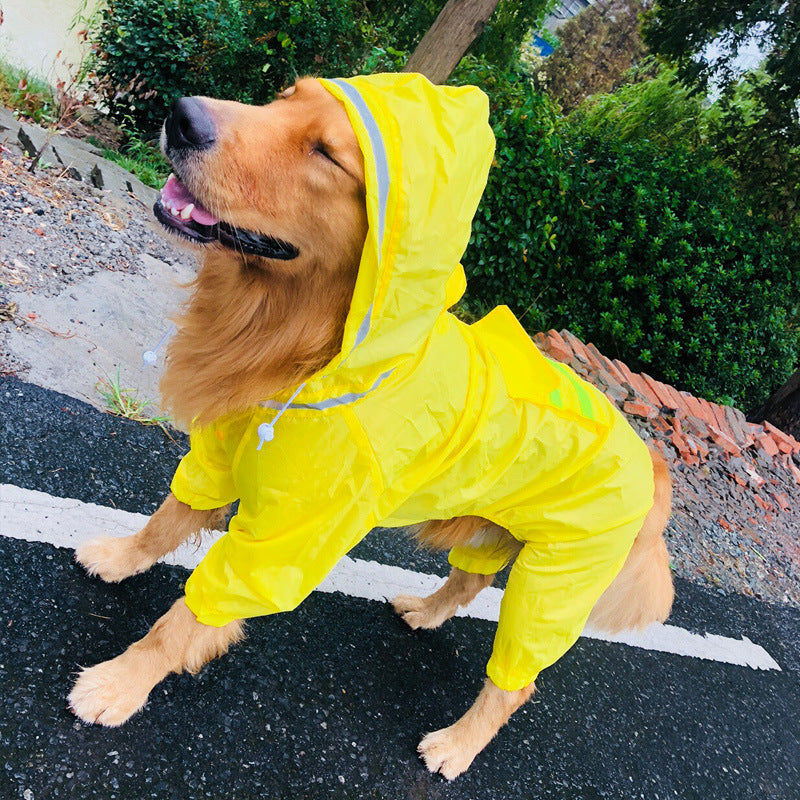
(551, 589)
(204, 479)
(301, 510)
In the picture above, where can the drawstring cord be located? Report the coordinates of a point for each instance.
(149, 357)
(266, 430)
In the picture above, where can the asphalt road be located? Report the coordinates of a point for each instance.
(331, 700)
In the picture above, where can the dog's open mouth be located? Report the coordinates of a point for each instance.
(182, 213)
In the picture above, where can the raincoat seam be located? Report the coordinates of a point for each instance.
(360, 434)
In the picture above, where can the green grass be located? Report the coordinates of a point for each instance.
(123, 402)
(28, 95)
(143, 159)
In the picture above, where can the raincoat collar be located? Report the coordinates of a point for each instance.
(427, 151)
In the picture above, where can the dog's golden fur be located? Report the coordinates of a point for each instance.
(254, 327)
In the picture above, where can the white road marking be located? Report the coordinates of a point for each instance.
(40, 517)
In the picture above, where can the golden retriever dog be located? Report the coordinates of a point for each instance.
(281, 221)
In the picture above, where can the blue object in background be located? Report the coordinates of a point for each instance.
(545, 48)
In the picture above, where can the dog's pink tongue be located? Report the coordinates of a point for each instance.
(176, 197)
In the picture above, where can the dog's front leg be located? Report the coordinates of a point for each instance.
(113, 691)
(451, 750)
(114, 558)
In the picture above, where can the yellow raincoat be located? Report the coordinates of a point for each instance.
(423, 417)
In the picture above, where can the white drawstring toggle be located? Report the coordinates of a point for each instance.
(149, 357)
(266, 433)
(266, 430)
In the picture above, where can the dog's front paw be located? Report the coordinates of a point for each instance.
(112, 558)
(447, 752)
(109, 694)
(419, 612)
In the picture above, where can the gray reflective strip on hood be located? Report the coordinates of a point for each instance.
(341, 400)
(378, 150)
(382, 176)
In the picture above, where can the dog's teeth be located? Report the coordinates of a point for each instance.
(187, 211)
(174, 212)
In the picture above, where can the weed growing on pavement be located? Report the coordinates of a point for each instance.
(28, 95)
(124, 402)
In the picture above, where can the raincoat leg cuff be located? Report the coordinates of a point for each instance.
(509, 682)
(186, 495)
(471, 561)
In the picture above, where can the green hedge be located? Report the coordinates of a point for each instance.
(644, 251)
(149, 52)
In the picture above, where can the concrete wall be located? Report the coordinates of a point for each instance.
(34, 32)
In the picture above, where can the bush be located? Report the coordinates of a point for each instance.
(646, 252)
(149, 52)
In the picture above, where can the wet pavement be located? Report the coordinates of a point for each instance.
(331, 700)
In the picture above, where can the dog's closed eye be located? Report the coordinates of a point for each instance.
(323, 150)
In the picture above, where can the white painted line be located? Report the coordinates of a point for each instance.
(40, 517)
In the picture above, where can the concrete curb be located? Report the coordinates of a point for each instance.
(80, 160)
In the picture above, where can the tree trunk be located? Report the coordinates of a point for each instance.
(783, 408)
(455, 29)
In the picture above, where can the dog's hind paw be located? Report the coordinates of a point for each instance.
(112, 558)
(445, 753)
(109, 693)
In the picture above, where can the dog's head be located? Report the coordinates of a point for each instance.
(281, 185)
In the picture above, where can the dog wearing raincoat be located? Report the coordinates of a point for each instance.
(329, 391)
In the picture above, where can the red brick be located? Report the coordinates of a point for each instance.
(725, 524)
(557, 348)
(791, 445)
(795, 472)
(638, 383)
(636, 409)
(706, 413)
(676, 424)
(678, 400)
(693, 404)
(782, 500)
(657, 389)
(578, 347)
(623, 368)
(766, 443)
(540, 340)
(696, 426)
(595, 355)
(763, 503)
(681, 445)
(661, 425)
(724, 441)
(615, 373)
(722, 422)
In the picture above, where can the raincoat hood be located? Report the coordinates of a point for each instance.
(427, 151)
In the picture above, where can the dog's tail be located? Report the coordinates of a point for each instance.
(642, 592)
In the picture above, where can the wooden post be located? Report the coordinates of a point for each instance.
(454, 30)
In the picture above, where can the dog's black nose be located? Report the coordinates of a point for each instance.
(189, 124)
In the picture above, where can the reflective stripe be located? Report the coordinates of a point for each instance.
(378, 150)
(584, 398)
(341, 400)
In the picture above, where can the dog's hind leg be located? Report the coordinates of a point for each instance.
(451, 750)
(111, 692)
(116, 558)
(430, 612)
(643, 591)
(478, 549)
